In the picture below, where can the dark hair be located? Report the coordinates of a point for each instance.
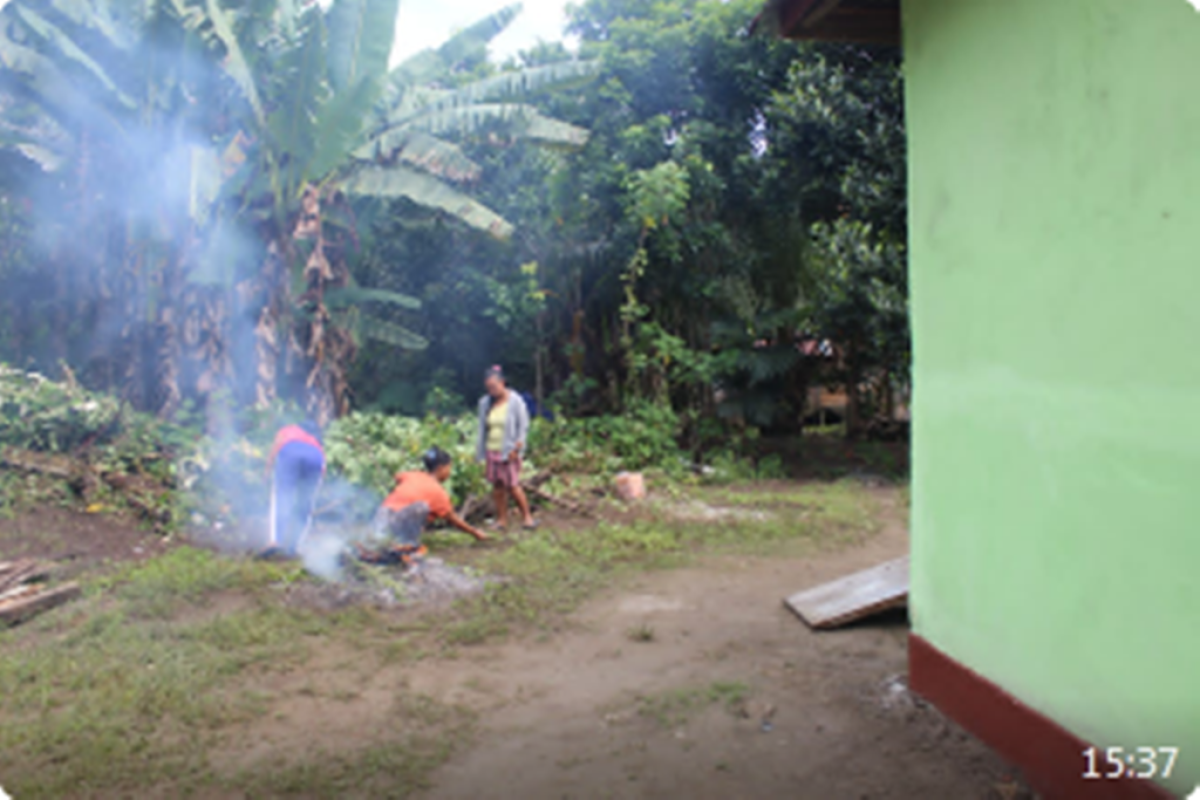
(494, 371)
(435, 457)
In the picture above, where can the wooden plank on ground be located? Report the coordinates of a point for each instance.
(24, 590)
(9, 567)
(19, 572)
(853, 597)
(20, 609)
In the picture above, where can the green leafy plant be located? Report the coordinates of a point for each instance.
(368, 449)
(645, 436)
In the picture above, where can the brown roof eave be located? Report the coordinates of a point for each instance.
(860, 21)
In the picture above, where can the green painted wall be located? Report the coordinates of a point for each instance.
(1055, 257)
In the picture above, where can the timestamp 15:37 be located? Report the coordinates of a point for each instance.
(1138, 762)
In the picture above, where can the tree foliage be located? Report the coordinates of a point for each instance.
(206, 200)
(212, 159)
(738, 196)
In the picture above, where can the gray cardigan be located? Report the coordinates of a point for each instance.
(516, 425)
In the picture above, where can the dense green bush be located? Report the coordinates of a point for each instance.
(39, 414)
(224, 478)
(644, 437)
(368, 449)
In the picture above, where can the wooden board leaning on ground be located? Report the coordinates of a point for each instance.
(853, 597)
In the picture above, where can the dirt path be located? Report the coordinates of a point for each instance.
(692, 683)
(663, 690)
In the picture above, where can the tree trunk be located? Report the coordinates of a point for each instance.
(167, 357)
(267, 329)
(539, 385)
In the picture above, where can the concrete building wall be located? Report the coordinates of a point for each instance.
(1055, 257)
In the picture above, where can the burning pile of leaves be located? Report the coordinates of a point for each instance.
(348, 580)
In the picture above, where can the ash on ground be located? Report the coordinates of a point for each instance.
(435, 583)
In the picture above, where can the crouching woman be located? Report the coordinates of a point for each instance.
(419, 498)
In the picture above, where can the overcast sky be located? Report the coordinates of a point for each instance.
(425, 23)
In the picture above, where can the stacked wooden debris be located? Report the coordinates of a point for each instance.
(25, 592)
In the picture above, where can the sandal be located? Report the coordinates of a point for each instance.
(532, 525)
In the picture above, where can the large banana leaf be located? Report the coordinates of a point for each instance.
(59, 40)
(554, 132)
(515, 83)
(215, 22)
(44, 157)
(48, 86)
(346, 296)
(293, 122)
(521, 117)
(429, 153)
(401, 181)
(472, 41)
(340, 128)
(391, 333)
(29, 131)
(434, 63)
(98, 17)
(361, 34)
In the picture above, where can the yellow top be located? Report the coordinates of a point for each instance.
(495, 427)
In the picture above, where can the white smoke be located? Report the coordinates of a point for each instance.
(322, 555)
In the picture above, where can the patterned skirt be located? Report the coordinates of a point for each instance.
(501, 472)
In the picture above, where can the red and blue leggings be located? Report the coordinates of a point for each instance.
(299, 468)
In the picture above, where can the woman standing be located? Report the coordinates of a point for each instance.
(503, 426)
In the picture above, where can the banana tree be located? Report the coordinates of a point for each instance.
(326, 122)
(106, 98)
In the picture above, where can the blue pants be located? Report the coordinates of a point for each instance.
(403, 526)
(298, 471)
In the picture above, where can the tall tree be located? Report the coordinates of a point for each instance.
(249, 133)
(326, 122)
(107, 100)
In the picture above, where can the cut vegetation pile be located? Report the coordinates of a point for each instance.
(60, 442)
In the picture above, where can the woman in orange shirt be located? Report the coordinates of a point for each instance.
(419, 498)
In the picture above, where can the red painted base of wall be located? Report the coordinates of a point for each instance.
(1050, 757)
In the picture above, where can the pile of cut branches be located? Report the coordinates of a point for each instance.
(89, 442)
(25, 593)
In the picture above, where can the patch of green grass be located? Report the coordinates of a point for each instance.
(675, 707)
(186, 576)
(548, 573)
(117, 703)
(125, 689)
(113, 693)
(425, 733)
(831, 507)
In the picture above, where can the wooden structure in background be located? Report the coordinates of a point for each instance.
(859, 21)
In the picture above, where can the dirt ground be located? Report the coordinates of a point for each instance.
(698, 683)
(74, 540)
(694, 683)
